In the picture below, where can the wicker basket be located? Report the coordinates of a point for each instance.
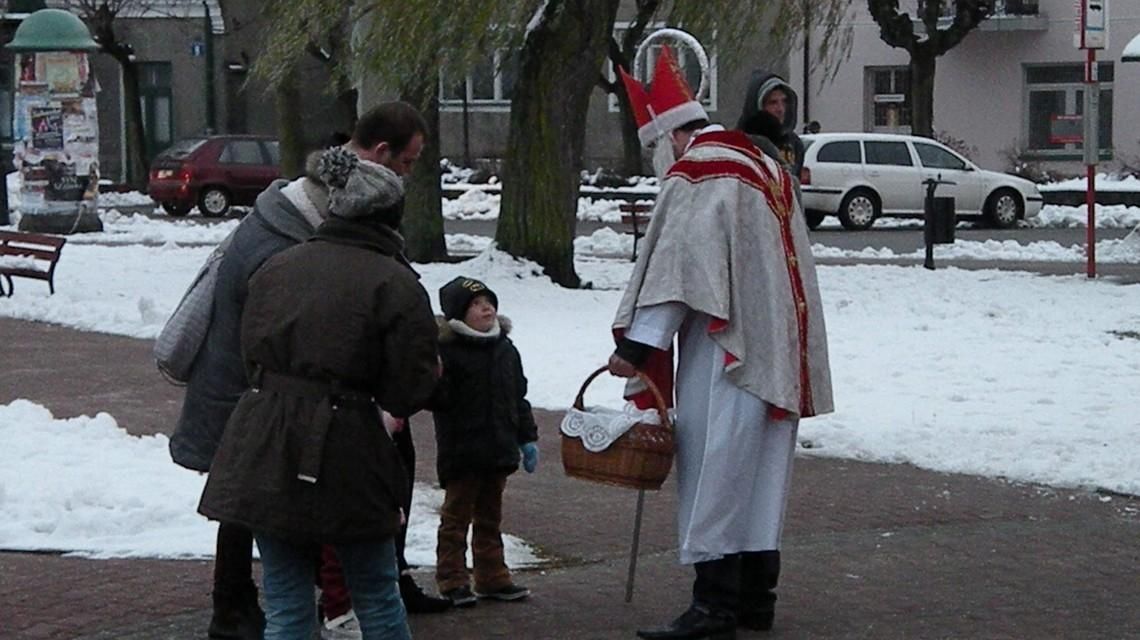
(639, 459)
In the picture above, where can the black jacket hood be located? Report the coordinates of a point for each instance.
(760, 85)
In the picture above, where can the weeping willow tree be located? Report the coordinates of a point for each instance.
(404, 46)
(561, 44)
(409, 46)
(300, 32)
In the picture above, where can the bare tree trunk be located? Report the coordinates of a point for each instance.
(348, 98)
(137, 160)
(290, 127)
(897, 29)
(922, 67)
(631, 163)
(558, 70)
(422, 226)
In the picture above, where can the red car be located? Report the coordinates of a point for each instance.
(214, 173)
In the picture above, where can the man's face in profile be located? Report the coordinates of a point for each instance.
(401, 163)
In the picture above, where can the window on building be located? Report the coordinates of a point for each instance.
(157, 98)
(685, 58)
(1057, 90)
(846, 152)
(888, 153)
(888, 96)
(489, 85)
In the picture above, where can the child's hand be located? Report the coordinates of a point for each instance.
(530, 456)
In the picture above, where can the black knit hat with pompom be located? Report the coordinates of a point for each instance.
(456, 296)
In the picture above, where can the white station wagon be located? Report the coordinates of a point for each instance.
(859, 177)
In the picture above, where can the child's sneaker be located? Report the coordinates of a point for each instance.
(507, 593)
(460, 596)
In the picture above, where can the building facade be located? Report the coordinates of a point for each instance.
(195, 78)
(1001, 91)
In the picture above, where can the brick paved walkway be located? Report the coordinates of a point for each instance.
(871, 551)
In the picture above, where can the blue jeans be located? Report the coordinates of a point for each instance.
(369, 568)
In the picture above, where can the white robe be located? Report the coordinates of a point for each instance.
(734, 464)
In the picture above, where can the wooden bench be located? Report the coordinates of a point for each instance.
(21, 254)
(635, 214)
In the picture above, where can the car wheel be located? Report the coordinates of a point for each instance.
(175, 209)
(859, 209)
(214, 202)
(814, 218)
(1004, 208)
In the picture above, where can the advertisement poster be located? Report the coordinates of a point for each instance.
(61, 71)
(56, 131)
(47, 128)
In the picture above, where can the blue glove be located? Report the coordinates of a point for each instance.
(530, 456)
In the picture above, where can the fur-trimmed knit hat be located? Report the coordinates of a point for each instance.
(456, 296)
(358, 188)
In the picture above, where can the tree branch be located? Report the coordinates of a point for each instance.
(968, 15)
(895, 28)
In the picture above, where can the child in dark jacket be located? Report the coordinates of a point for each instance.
(483, 427)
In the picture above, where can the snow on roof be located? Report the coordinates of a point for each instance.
(160, 9)
(1132, 51)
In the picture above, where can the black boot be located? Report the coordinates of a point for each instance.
(759, 575)
(416, 601)
(697, 622)
(237, 615)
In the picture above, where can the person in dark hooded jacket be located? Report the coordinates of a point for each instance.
(331, 330)
(285, 214)
(483, 426)
(769, 118)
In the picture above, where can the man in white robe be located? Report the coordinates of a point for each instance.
(726, 268)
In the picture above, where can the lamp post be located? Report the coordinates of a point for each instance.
(55, 129)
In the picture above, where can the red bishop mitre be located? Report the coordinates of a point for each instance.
(669, 103)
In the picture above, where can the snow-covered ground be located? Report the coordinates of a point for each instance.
(997, 373)
(85, 486)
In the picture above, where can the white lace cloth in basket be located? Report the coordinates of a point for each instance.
(598, 427)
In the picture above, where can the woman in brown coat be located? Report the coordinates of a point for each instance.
(332, 329)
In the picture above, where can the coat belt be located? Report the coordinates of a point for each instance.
(329, 394)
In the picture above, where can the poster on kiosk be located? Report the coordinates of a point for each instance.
(56, 141)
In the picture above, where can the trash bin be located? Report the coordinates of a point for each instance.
(940, 220)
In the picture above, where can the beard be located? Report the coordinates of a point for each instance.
(663, 158)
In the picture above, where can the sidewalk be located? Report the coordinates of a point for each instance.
(871, 550)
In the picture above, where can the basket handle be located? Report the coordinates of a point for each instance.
(662, 410)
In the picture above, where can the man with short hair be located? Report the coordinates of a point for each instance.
(726, 267)
(285, 214)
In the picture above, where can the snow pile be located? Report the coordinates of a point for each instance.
(1107, 251)
(23, 262)
(113, 199)
(124, 229)
(605, 243)
(85, 486)
(1104, 182)
(1107, 217)
(473, 204)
